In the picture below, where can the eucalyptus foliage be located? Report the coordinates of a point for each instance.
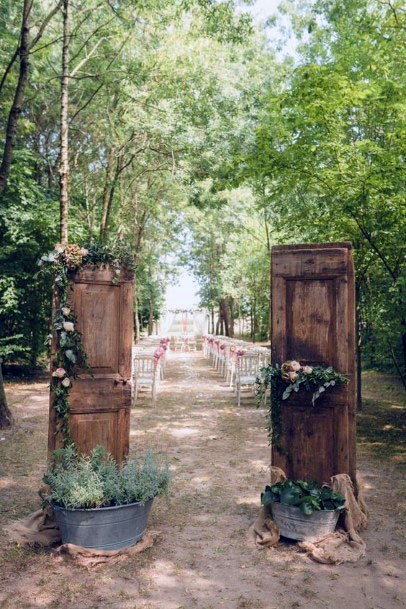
(276, 383)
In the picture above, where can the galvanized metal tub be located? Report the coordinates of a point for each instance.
(293, 524)
(105, 528)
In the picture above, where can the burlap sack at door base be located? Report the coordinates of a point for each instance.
(40, 529)
(36, 529)
(344, 545)
(92, 559)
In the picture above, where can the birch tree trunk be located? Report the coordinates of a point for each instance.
(64, 141)
(16, 106)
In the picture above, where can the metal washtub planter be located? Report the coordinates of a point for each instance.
(104, 528)
(293, 524)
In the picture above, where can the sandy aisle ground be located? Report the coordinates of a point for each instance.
(203, 560)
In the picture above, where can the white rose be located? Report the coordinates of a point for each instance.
(66, 382)
(295, 366)
(293, 376)
(84, 251)
(65, 311)
(307, 369)
(59, 373)
(68, 326)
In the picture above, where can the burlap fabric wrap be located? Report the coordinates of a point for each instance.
(344, 545)
(40, 529)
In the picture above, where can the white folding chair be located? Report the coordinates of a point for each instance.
(246, 373)
(145, 376)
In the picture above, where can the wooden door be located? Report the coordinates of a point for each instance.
(100, 398)
(313, 321)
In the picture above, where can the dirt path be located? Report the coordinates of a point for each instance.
(203, 560)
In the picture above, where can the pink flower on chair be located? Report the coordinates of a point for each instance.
(158, 353)
(240, 352)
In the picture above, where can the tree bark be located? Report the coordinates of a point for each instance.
(136, 322)
(151, 317)
(231, 317)
(108, 193)
(16, 106)
(224, 317)
(64, 135)
(358, 348)
(6, 418)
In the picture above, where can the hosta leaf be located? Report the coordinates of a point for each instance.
(268, 497)
(306, 508)
(304, 485)
(291, 496)
(326, 493)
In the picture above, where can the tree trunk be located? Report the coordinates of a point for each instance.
(6, 418)
(136, 315)
(231, 318)
(358, 348)
(151, 317)
(218, 325)
(224, 317)
(255, 316)
(212, 320)
(108, 193)
(64, 141)
(270, 306)
(16, 106)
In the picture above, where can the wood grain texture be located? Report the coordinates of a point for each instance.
(100, 398)
(313, 321)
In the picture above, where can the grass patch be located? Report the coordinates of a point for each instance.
(381, 423)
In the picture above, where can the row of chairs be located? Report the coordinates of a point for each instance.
(238, 362)
(148, 366)
(185, 343)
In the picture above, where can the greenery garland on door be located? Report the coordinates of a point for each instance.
(282, 381)
(69, 356)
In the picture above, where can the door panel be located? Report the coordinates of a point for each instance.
(97, 308)
(89, 430)
(100, 397)
(310, 328)
(313, 321)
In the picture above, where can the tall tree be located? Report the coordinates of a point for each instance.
(64, 127)
(24, 48)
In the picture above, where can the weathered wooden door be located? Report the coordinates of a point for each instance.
(100, 398)
(313, 321)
